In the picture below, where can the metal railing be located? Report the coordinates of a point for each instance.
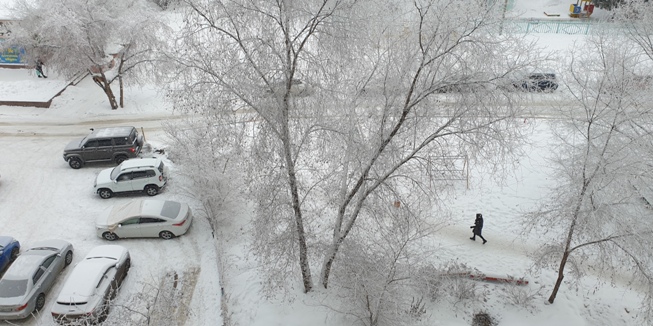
(548, 27)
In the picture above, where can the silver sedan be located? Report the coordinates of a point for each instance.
(86, 296)
(145, 218)
(24, 285)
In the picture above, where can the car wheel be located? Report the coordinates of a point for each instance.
(151, 190)
(40, 302)
(75, 162)
(166, 235)
(109, 236)
(69, 258)
(120, 158)
(14, 254)
(105, 193)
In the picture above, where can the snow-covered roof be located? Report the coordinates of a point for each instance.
(83, 280)
(55, 244)
(107, 251)
(112, 132)
(5, 240)
(136, 162)
(23, 267)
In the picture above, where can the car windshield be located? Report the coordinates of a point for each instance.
(115, 172)
(170, 209)
(12, 288)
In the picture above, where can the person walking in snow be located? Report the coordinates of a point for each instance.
(39, 69)
(478, 228)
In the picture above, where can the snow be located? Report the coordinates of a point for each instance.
(19, 85)
(83, 280)
(41, 197)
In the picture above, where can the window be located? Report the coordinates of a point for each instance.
(105, 143)
(125, 177)
(37, 275)
(133, 220)
(150, 173)
(48, 261)
(139, 174)
(90, 144)
(120, 141)
(150, 220)
(12, 288)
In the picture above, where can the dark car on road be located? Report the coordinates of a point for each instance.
(113, 144)
(537, 82)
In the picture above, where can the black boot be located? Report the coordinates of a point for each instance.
(472, 238)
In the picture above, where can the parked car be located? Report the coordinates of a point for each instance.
(297, 88)
(113, 144)
(9, 249)
(135, 175)
(145, 218)
(537, 82)
(29, 278)
(87, 293)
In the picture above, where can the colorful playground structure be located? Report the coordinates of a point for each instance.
(581, 9)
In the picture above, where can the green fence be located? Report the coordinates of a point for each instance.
(547, 27)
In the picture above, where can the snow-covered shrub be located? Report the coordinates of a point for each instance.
(483, 319)
(521, 296)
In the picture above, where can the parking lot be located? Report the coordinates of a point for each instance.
(41, 197)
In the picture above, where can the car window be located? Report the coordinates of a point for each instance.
(12, 288)
(150, 173)
(139, 174)
(161, 167)
(120, 141)
(90, 143)
(105, 143)
(37, 275)
(130, 221)
(145, 220)
(125, 177)
(48, 261)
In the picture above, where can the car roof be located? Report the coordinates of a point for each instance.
(111, 132)
(24, 267)
(139, 162)
(83, 280)
(5, 240)
(144, 207)
(106, 251)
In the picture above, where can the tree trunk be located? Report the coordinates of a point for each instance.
(328, 262)
(561, 275)
(122, 92)
(106, 87)
(299, 219)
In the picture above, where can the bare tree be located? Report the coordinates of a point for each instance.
(329, 104)
(109, 40)
(603, 166)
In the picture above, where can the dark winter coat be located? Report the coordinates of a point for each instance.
(478, 224)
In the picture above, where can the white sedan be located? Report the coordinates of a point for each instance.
(145, 218)
(86, 295)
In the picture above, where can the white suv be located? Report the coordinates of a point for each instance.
(144, 174)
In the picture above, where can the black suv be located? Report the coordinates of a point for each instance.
(537, 82)
(114, 144)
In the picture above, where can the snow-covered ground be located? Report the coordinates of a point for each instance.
(41, 198)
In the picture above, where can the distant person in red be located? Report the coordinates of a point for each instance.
(39, 69)
(478, 227)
